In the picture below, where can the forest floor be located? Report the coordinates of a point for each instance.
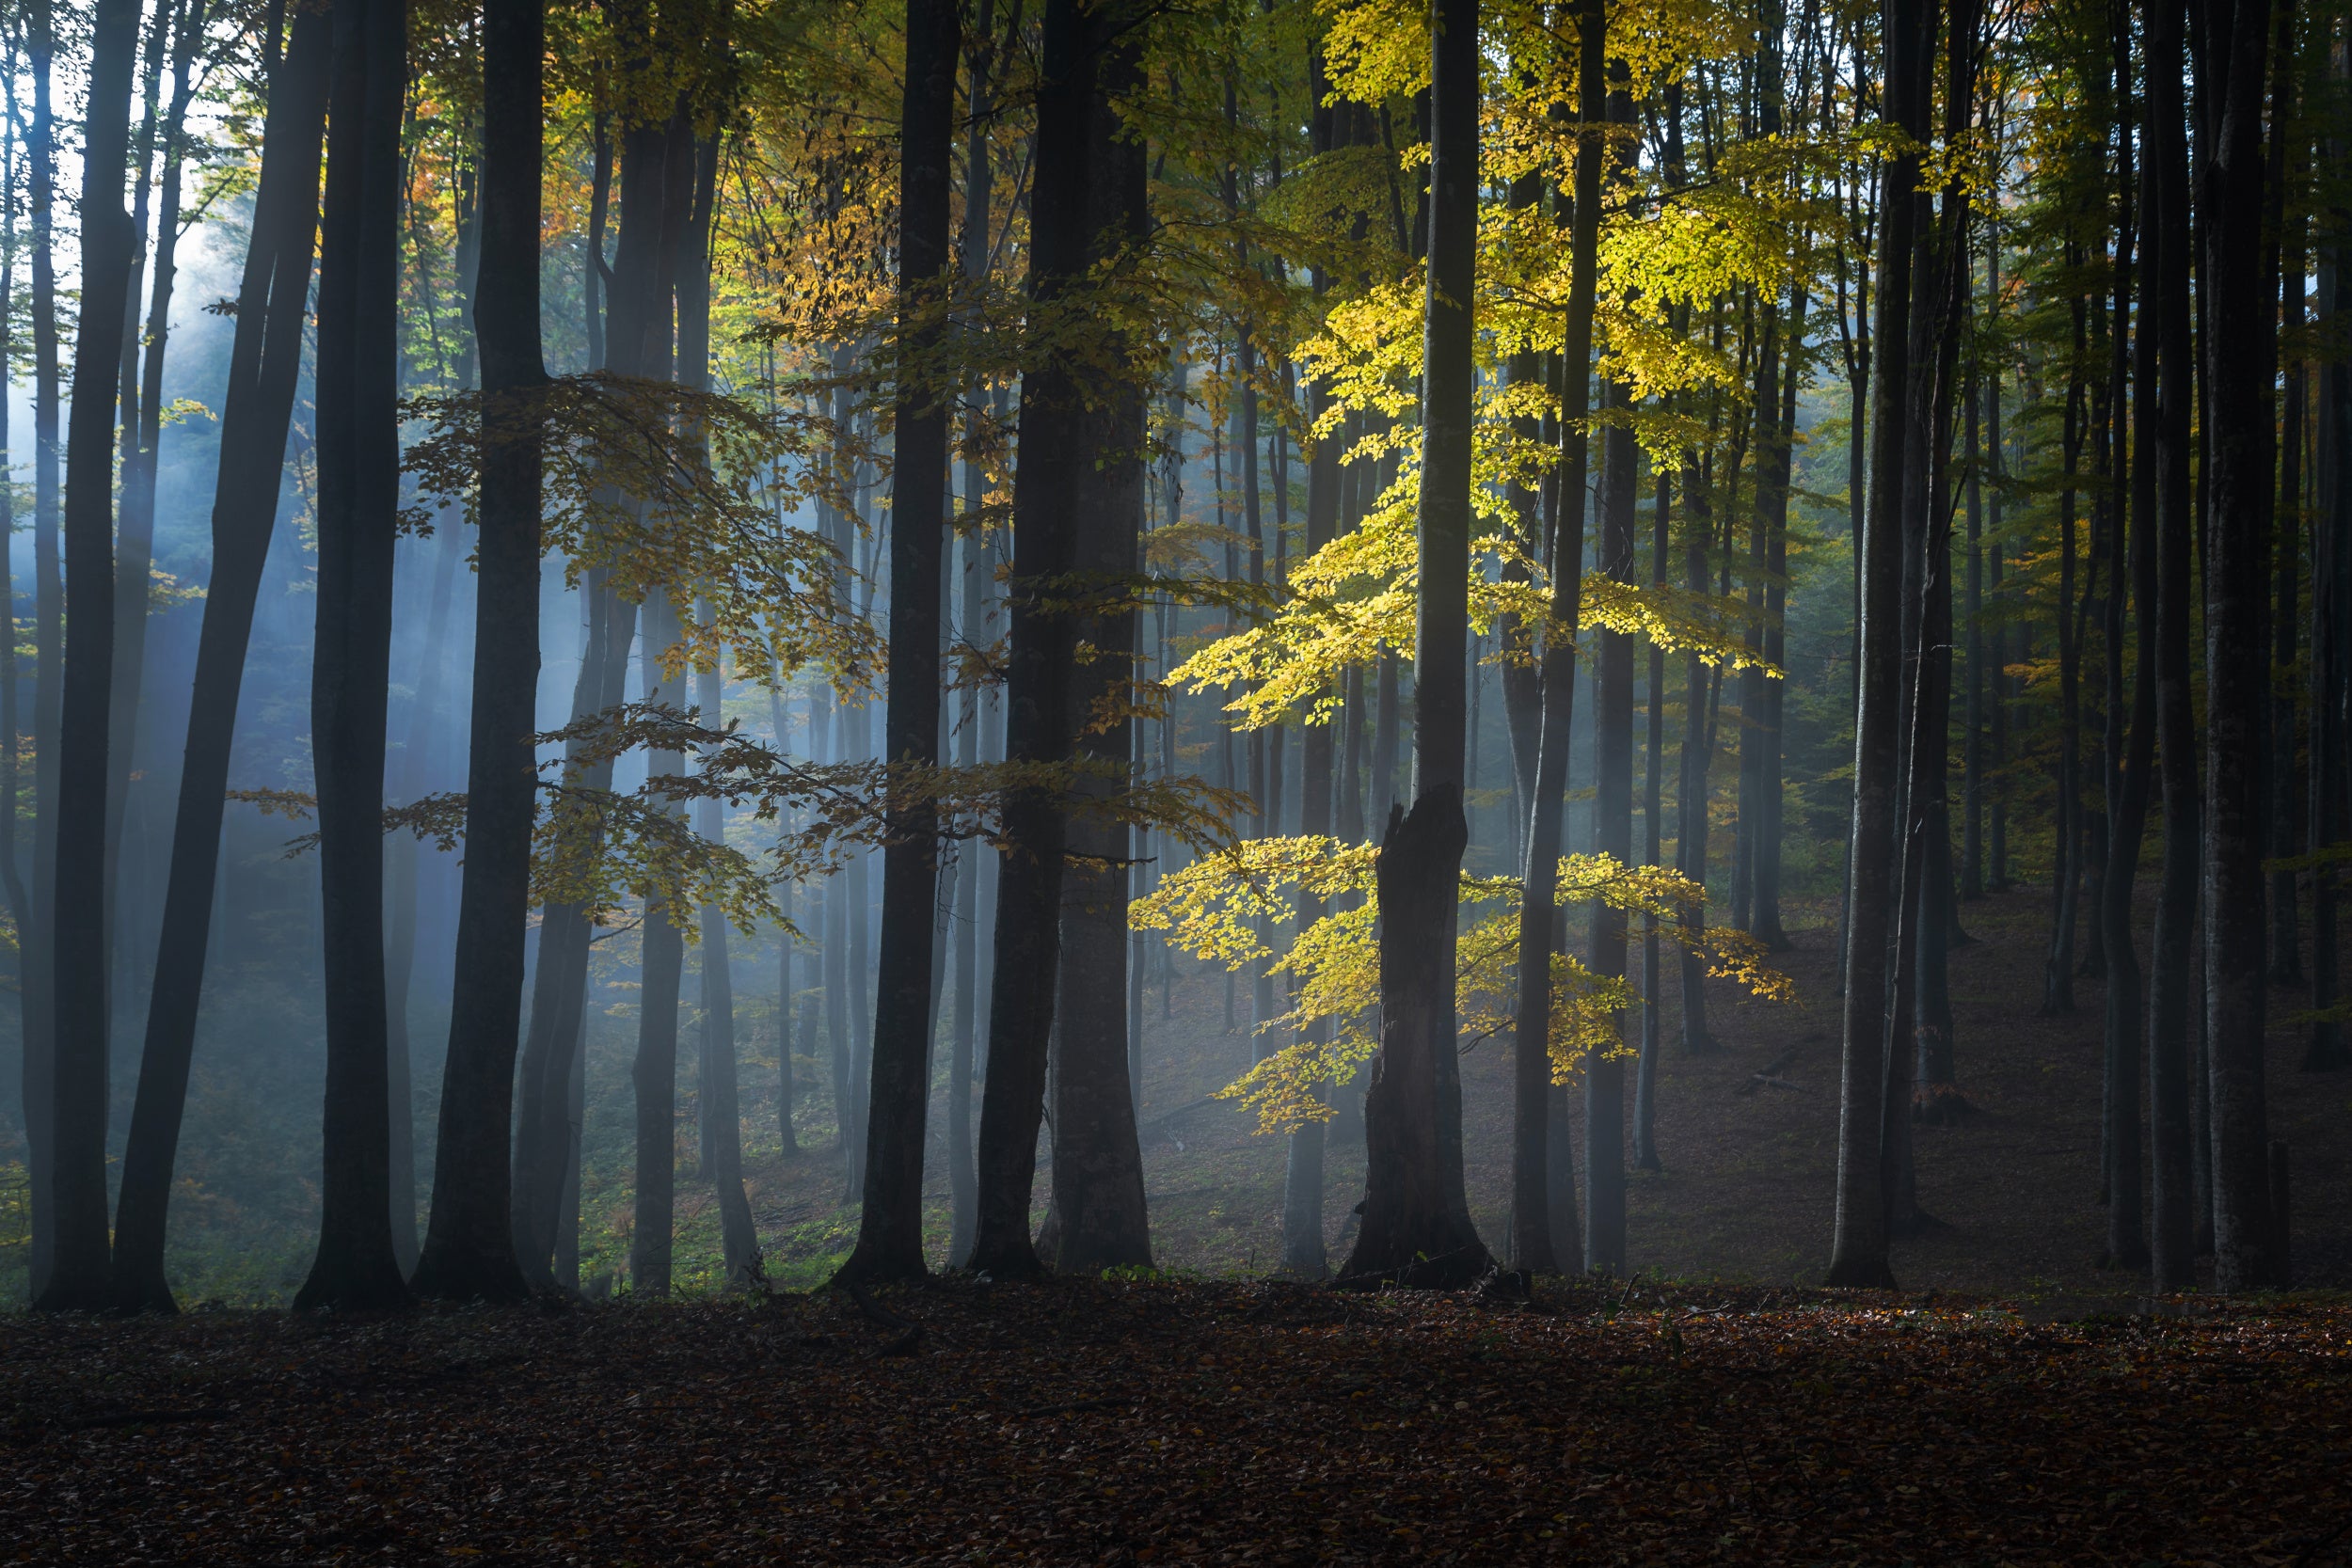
(1138, 1421)
(1748, 1188)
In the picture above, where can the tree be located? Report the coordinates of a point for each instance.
(263, 360)
(2228, 40)
(358, 442)
(1859, 1255)
(77, 1277)
(1532, 1066)
(1098, 1205)
(1415, 1229)
(890, 1228)
(2165, 318)
(470, 1243)
(1073, 123)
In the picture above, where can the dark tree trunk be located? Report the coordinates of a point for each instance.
(1767, 922)
(890, 1229)
(1653, 838)
(1859, 1254)
(637, 341)
(400, 875)
(661, 967)
(1416, 1227)
(963, 1182)
(135, 529)
(1098, 1167)
(263, 360)
(2058, 969)
(20, 904)
(786, 944)
(2165, 400)
(39, 959)
(2132, 760)
(1555, 693)
(1073, 155)
(2230, 42)
(2285, 777)
(2330, 654)
(1612, 835)
(358, 465)
(78, 1260)
(470, 1250)
(719, 1098)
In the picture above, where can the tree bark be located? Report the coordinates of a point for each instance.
(264, 357)
(1416, 1229)
(470, 1250)
(890, 1229)
(2229, 44)
(39, 956)
(1859, 1253)
(2133, 759)
(1555, 694)
(1074, 128)
(359, 465)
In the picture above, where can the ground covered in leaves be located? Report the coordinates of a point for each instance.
(1107, 1422)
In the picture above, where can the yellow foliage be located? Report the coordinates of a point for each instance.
(1225, 906)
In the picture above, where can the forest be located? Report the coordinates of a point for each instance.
(1325, 778)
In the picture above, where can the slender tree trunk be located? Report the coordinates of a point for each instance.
(1048, 489)
(469, 1249)
(1531, 1066)
(39, 956)
(2230, 43)
(401, 851)
(1653, 767)
(890, 1231)
(1415, 1228)
(2330, 654)
(653, 1073)
(20, 904)
(2129, 772)
(2058, 970)
(1859, 1255)
(263, 360)
(1766, 924)
(358, 452)
(2165, 400)
(721, 1104)
(77, 1277)
(2286, 798)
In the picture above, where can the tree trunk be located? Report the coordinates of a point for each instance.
(2058, 970)
(890, 1229)
(1859, 1254)
(470, 1250)
(2132, 759)
(2165, 403)
(2230, 45)
(39, 958)
(1769, 781)
(77, 1278)
(1539, 915)
(1653, 767)
(358, 466)
(401, 851)
(1074, 125)
(1612, 835)
(135, 529)
(653, 1073)
(2331, 656)
(1416, 1229)
(720, 1101)
(637, 344)
(264, 357)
